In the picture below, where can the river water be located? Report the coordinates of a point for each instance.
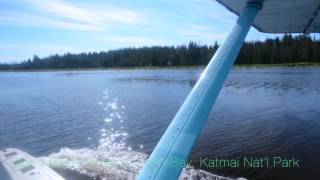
(76, 121)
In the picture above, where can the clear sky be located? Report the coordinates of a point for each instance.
(45, 27)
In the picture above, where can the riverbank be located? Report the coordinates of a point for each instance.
(165, 67)
(301, 64)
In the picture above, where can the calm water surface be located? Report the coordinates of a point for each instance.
(119, 115)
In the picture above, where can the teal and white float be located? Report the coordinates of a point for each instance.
(21, 166)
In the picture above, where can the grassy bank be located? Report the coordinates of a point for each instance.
(166, 67)
(302, 64)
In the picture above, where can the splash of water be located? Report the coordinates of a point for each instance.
(108, 161)
(112, 158)
(114, 162)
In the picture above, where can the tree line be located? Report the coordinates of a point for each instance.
(288, 49)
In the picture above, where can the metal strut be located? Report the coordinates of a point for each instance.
(178, 140)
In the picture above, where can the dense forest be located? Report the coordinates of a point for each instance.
(288, 49)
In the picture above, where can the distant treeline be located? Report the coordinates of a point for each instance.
(288, 49)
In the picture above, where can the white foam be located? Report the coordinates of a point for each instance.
(114, 161)
(109, 161)
(189, 173)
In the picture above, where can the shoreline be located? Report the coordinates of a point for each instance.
(288, 65)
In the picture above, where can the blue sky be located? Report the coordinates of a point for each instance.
(45, 27)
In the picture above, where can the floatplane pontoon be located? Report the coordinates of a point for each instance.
(21, 166)
(271, 16)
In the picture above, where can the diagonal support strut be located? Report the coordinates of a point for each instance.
(178, 140)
